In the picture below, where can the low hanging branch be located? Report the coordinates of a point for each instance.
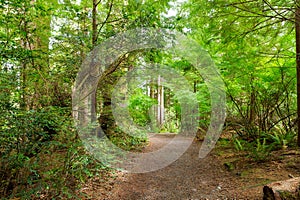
(280, 120)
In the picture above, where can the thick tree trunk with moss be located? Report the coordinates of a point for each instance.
(105, 87)
(106, 119)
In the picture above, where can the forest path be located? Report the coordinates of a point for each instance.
(187, 178)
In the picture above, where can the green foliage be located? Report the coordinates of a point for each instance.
(261, 148)
(255, 59)
(41, 156)
(229, 166)
(238, 144)
(139, 107)
(129, 142)
(171, 122)
(281, 141)
(203, 98)
(43, 44)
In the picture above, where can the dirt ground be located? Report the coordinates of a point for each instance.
(223, 174)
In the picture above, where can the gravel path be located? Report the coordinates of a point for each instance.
(187, 178)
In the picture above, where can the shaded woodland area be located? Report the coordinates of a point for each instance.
(255, 45)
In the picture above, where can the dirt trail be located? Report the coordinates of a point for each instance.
(223, 174)
(187, 178)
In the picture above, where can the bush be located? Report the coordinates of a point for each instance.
(261, 148)
(41, 156)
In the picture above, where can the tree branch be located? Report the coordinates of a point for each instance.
(98, 3)
(272, 8)
(106, 19)
(259, 28)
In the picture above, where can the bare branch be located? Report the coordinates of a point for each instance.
(98, 3)
(259, 28)
(272, 8)
(106, 19)
(112, 21)
(240, 3)
(257, 14)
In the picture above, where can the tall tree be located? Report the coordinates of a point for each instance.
(251, 42)
(297, 28)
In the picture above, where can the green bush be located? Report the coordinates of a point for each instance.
(261, 148)
(139, 106)
(41, 155)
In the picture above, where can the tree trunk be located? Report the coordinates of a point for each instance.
(297, 27)
(36, 63)
(160, 99)
(94, 42)
(94, 23)
(288, 189)
(153, 110)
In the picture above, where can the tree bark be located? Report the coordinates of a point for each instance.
(94, 23)
(297, 27)
(288, 189)
(160, 99)
(94, 42)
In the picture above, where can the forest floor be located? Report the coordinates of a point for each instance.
(223, 174)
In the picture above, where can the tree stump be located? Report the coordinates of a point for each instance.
(283, 190)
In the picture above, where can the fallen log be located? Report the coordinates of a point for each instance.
(283, 190)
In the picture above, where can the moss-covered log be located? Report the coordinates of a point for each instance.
(283, 190)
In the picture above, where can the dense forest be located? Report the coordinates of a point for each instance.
(254, 45)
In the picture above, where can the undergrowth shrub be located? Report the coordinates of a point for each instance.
(41, 155)
(260, 148)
